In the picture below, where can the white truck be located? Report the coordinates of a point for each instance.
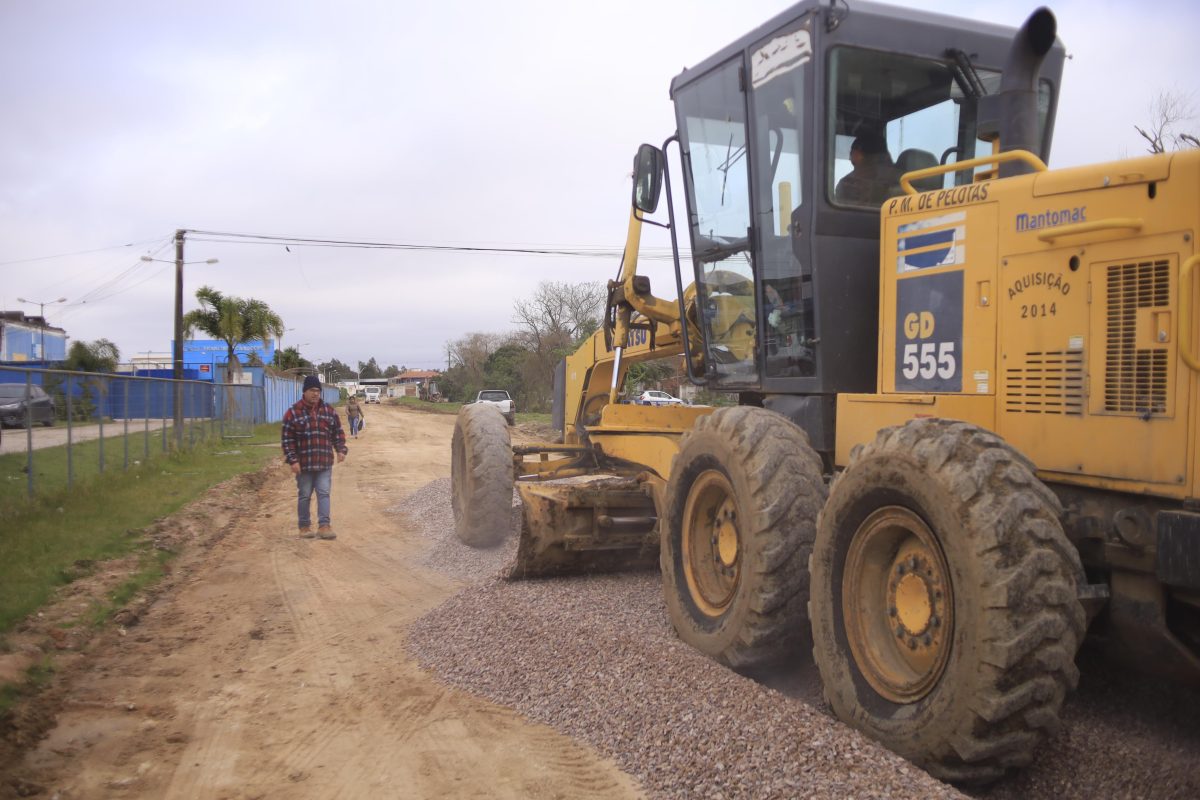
(501, 400)
(373, 393)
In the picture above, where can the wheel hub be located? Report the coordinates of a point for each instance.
(897, 604)
(711, 543)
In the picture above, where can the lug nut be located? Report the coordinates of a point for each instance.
(928, 640)
(912, 644)
(935, 621)
(899, 631)
(892, 611)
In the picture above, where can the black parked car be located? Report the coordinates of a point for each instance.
(12, 405)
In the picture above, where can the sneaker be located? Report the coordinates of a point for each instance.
(326, 532)
(306, 532)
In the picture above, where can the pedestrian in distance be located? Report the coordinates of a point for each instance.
(312, 435)
(354, 416)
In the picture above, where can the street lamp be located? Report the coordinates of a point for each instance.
(42, 313)
(179, 263)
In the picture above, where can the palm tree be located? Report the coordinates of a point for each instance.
(233, 320)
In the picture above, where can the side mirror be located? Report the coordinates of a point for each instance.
(647, 178)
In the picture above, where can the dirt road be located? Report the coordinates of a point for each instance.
(274, 667)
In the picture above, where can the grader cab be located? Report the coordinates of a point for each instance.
(967, 387)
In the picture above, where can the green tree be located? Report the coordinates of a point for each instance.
(369, 369)
(504, 370)
(232, 320)
(98, 356)
(289, 358)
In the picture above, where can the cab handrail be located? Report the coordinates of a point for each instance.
(1186, 293)
(1112, 223)
(993, 158)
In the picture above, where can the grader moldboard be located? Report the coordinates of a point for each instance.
(968, 398)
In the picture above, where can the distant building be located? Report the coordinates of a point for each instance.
(420, 383)
(22, 339)
(207, 357)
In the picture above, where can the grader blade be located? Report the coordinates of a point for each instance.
(606, 525)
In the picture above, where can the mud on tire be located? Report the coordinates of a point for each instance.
(741, 509)
(979, 689)
(481, 476)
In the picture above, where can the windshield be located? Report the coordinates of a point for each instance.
(493, 396)
(896, 113)
(12, 391)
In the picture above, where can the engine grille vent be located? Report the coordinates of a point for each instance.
(1048, 383)
(1135, 379)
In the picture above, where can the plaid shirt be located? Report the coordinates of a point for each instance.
(311, 434)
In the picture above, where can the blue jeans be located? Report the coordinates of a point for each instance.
(355, 424)
(306, 482)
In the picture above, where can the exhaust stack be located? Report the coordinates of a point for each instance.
(1012, 114)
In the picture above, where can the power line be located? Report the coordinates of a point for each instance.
(77, 252)
(225, 237)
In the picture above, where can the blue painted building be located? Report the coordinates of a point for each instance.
(22, 339)
(205, 358)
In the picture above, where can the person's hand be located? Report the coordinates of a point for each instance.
(296, 468)
(341, 457)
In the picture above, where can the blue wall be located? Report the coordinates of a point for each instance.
(207, 356)
(152, 396)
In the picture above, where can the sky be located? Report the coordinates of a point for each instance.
(467, 125)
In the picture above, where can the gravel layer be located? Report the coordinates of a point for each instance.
(596, 658)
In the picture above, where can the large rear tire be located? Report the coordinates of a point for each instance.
(481, 476)
(944, 610)
(742, 503)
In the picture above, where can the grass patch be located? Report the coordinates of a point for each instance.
(48, 541)
(425, 405)
(37, 676)
(151, 568)
(87, 460)
(452, 408)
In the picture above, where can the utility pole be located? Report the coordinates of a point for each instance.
(178, 354)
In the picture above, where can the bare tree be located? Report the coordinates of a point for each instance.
(559, 314)
(1168, 113)
(552, 323)
(470, 354)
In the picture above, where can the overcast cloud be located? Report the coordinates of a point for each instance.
(476, 124)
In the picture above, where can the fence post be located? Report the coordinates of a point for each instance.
(29, 431)
(70, 431)
(125, 391)
(146, 422)
(100, 403)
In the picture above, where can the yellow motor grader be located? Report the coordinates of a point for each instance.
(966, 429)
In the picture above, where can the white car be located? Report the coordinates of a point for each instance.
(501, 399)
(653, 397)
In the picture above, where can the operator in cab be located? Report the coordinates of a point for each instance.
(874, 178)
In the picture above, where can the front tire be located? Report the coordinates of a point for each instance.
(741, 509)
(944, 610)
(481, 476)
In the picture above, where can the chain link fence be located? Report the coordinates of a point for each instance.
(58, 428)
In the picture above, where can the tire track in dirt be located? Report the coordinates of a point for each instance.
(275, 667)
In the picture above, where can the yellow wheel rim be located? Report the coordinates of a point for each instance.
(711, 546)
(898, 604)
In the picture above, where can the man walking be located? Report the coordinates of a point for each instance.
(312, 433)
